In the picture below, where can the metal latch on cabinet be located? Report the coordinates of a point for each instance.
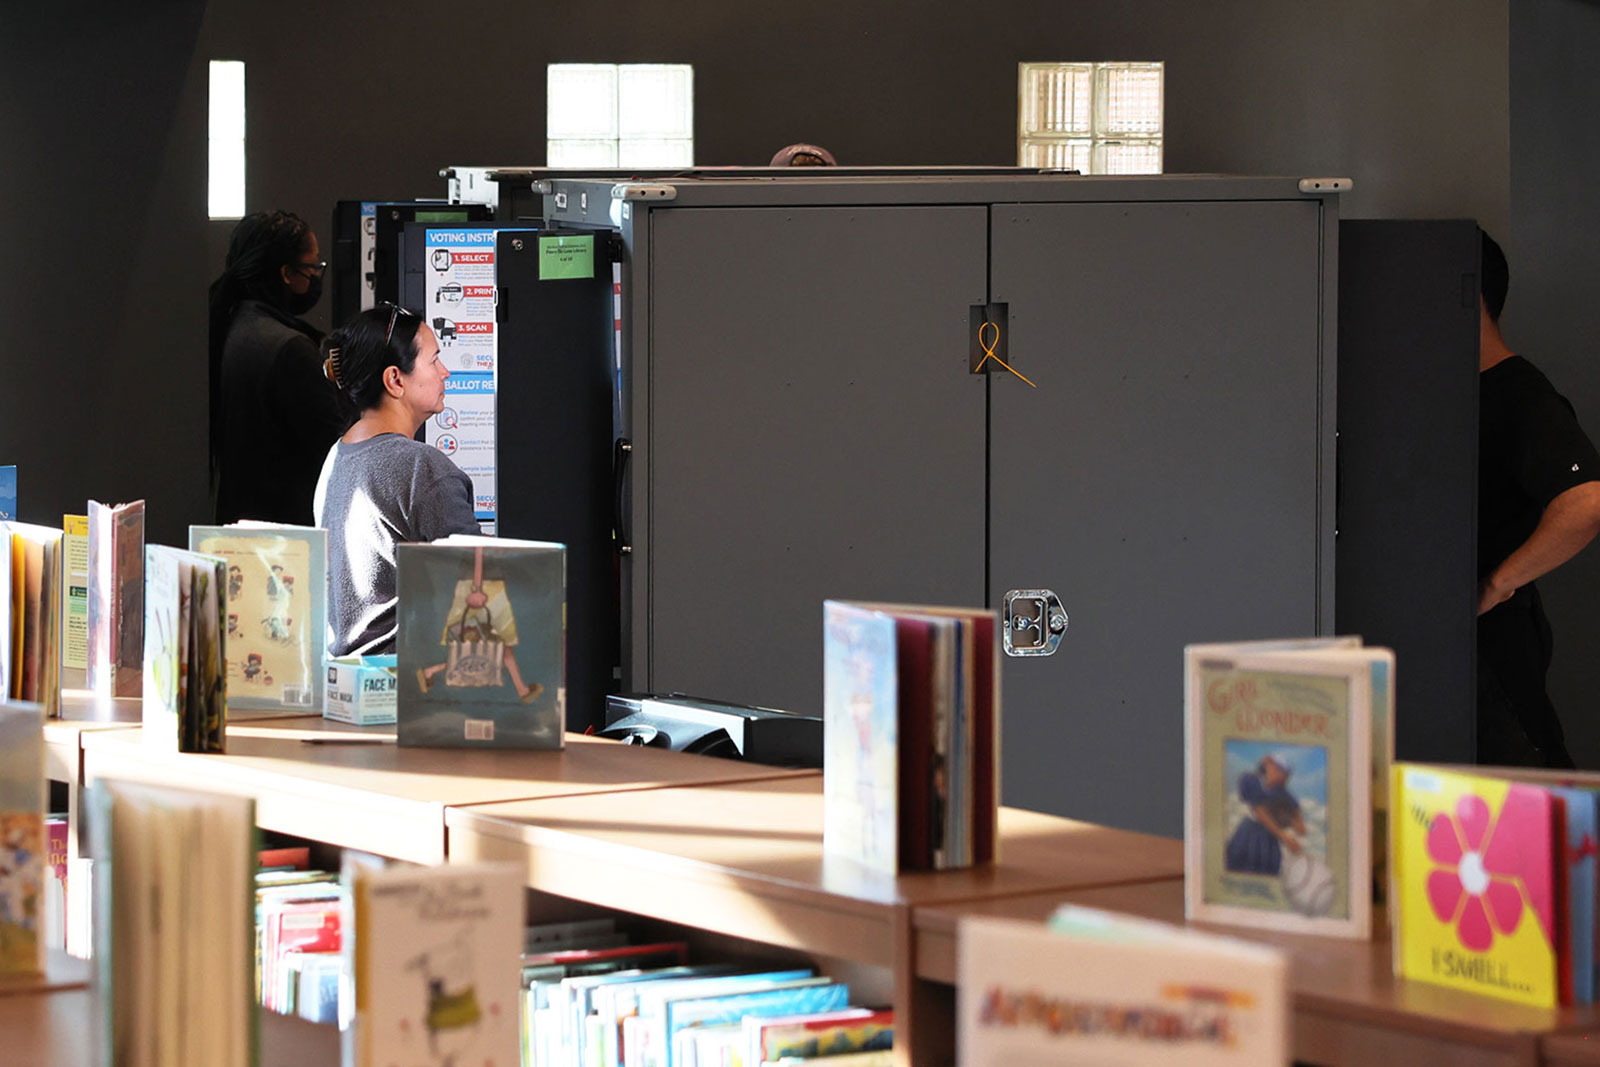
(1032, 622)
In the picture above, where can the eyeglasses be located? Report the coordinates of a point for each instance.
(317, 267)
(395, 311)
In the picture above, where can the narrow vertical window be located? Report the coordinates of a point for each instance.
(1095, 118)
(225, 174)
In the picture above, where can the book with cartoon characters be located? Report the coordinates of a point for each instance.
(435, 957)
(1478, 883)
(116, 598)
(1282, 789)
(22, 838)
(277, 615)
(481, 651)
(185, 688)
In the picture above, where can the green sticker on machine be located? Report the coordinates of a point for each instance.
(566, 257)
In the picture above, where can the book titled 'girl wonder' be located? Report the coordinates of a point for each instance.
(1279, 797)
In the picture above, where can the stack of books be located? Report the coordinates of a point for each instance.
(590, 996)
(1494, 881)
(298, 916)
(911, 721)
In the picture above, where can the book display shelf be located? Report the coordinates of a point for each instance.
(734, 850)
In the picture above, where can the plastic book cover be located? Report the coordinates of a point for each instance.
(116, 598)
(1080, 991)
(860, 783)
(433, 955)
(482, 644)
(22, 838)
(8, 493)
(277, 621)
(1475, 883)
(1278, 788)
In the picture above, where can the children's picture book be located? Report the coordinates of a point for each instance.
(34, 559)
(1583, 831)
(116, 598)
(8, 493)
(831, 1033)
(911, 718)
(185, 688)
(481, 652)
(1094, 987)
(174, 944)
(22, 839)
(433, 954)
(276, 617)
(1279, 796)
(1477, 867)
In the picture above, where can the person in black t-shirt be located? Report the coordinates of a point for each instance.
(1538, 506)
(274, 415)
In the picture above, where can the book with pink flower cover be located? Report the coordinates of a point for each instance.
(1477, 884)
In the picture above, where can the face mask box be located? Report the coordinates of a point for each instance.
(361, 690)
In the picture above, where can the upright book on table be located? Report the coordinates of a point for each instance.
(277, 615)
(482, 644)
(8, 493)
(1479, 872)
(116, 598)
(433, 952)
(22, 838)
(1280, 803)
(1094, 987)
(185, 681)
(34, 559)
(911, 718)
(174, 942)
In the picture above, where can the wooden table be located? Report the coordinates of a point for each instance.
(61, 1029)
(354, 787)
(61, 971)
(1348, 1006)
(746, 859)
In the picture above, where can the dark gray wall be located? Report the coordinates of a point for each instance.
(1552, 314)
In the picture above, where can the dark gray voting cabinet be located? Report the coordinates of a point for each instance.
(805, 423)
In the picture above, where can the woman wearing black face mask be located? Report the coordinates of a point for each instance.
(274, 415)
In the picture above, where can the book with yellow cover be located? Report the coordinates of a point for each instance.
(1475, 885)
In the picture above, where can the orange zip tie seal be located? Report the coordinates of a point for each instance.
(988, 353)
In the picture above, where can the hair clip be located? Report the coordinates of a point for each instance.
(330, 367)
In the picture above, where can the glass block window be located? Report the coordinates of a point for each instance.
(620, 115)
(1096, 118)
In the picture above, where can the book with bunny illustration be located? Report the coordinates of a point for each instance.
(1281, 804)
(434, 954)
(481, 652)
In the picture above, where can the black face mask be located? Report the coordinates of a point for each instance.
(300, 303)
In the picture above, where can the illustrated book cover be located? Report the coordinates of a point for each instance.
(1094, 987)
(1279, 795)
(22, 838)
(185, 688)
(116, 598)
(481, 652)
(433, 955)
(277, 615)
(1477, 880)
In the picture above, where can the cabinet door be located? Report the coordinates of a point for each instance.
(1164, 479)
(812, 433)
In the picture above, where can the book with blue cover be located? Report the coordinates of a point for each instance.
(277, 614)
(481, 650)
(8, 493)
(1583, 831)
(682, 1016)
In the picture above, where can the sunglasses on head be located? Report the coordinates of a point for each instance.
(395, 311)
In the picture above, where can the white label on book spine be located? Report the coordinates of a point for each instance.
(480, 729)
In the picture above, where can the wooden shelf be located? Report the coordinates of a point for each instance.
(353, 787)
(1348, 1006)
(61, 971)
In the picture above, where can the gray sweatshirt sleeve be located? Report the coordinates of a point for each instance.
(442, 504)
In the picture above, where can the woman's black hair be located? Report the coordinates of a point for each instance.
(261, 243)
(362, 349)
